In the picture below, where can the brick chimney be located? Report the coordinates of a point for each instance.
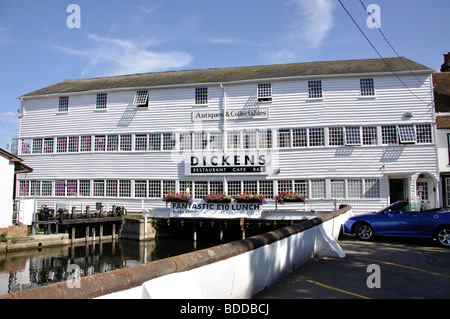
(446, 66)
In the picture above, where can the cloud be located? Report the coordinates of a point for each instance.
(127, 56)
(151, 6)
(311, 21)
(307, 23)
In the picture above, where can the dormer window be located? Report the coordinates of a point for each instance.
(264, 93)
(141, 99)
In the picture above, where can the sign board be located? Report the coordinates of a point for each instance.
(216, 210)
(244, 114)
(231, 162)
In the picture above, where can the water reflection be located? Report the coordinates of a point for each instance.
(32, 268)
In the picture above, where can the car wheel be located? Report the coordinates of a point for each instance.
(443, 236)
(364, 232)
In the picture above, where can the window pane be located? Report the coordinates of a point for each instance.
(154, 142)
(353, 135)
(318, 188)
(63, 104)
(407, 134)
(315, 89)
(316, 137)
(337, 189)
(354, 188)
(125, 142)
(336, 136)
(366, 87)
(370, 135)
(140, 142)
(233, 140)
(100, 143)
(284, 138)
(101, 101)
(201, 95)
(389, 134)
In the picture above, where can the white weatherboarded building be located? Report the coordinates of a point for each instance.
(359, 132)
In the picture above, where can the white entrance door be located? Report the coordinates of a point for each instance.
(425, 193)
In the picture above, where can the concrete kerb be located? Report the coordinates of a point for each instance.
(123, 279)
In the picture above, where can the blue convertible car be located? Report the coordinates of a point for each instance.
(404, 220)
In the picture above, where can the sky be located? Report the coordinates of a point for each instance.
(44, 42)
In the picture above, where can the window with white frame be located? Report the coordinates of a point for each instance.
(250, 186)
(60, 188)
(37, 145)
(366, 87)
(216, 187)
(140, 142)
(48, 145)
(61, 144)
(100, 143)
(315, 89)
(72, 188)
(337, 188)
(201, 96)
(249, 139)
(200, 189)
(301, 187)
(24, 188)
(124, 188)
(46, 188)
(154, 189)
(141, 99)
(264, 92)
(318, 188)
(354, 188)
(186, 187)
(168, 187)
(284, 138)
(73, 146)
(336, 136)
(353, 135)
(407, 134)
(370, 136)
(85, 143)
(265, 138)
(266, 188)
(102, 101)
(85, 188)
(215, 141)
(25, 147)
(284, 186)
(389, 134)
(234, 187)
(371, 188)
(200, 140)
(63, 105)
(168, 141)
(35, 188)
(112, 143)
(299, 137)
(99, 188)
(111, 188)
(423, 132)
(316, 137)
(140, 189)
(126, 142)
(154, 142)
(233, 140)
(185, 141)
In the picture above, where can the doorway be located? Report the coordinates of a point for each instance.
(398, 190)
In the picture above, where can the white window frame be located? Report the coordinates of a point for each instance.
(141, 98)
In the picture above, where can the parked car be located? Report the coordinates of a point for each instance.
(402, 219)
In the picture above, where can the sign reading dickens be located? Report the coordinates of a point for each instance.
(231, 162)
(216, 210)
(261, 113)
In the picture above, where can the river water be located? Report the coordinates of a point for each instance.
(32, 268)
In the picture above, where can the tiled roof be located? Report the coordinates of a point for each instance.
(205, 76)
